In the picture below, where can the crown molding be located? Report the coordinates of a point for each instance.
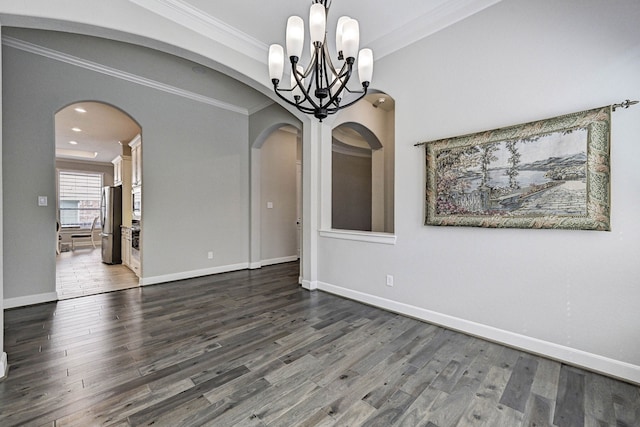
(261, 106)
(181, 12)
(442, 16)
(122, 75)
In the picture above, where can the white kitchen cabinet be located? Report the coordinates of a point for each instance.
(122, 176)
(121, 170)
(126, 245)
(136, 161)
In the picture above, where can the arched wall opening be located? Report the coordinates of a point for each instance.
(276, 195)
(362, 166)
(92, 152)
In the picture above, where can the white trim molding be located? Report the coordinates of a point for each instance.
(280, 260)
(572, 356)
(310, 285)
(119, 74)
(145, 281)
(197, 20)
(30, 300)
(440, 17)
(360, 236)
(4, 366)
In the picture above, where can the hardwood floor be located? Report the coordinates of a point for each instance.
(251, 348)
(81, 272)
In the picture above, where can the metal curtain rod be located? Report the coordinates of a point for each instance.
(625, 104)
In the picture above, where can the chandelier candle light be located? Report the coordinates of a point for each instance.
(318, 89)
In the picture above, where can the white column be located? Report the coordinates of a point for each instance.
(255, 232)
(377, 190)
(311, 156)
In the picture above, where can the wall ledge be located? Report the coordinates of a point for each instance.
(582, 359)
(360, 236)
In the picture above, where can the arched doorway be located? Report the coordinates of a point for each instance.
(94, 163)
(276, 195)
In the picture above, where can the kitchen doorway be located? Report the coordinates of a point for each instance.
(92, 156)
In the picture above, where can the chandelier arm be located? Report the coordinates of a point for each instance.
(335, 97)
(284, 98)
(304, 109)
(294, 70)
(335, 109)
(333, 69)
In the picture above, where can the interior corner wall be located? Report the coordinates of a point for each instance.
(3, 356)
(570, 294)
(195, 174)
(279, 198)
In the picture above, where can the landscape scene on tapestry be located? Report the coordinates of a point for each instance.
(537, 175)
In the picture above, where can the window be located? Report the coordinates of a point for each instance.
(79, 196)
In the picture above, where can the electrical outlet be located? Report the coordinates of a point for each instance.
(210, 255)
(389, 280)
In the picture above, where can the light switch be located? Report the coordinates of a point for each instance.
(269, 205)
(42, 200)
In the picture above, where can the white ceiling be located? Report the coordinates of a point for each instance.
(103, 129)
(385, 26)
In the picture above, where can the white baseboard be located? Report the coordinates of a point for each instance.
(30, 300)
(144, 281)
(272, 261)
(572, 356)
(312, 285)
(4, 366)
(280, 260)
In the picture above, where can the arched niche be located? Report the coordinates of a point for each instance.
(363, 152)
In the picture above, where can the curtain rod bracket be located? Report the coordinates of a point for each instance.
(626, 104)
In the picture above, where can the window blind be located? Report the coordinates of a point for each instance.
(79, 196)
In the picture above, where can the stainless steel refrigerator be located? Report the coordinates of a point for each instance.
(111, 219)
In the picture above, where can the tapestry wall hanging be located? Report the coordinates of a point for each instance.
(550, 173)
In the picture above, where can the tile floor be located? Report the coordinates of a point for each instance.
(81, 272)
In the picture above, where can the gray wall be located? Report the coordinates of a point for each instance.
(350, 192)
(195, 172)
(278, 187)
(566, 293)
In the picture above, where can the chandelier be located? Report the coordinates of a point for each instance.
(318, 89)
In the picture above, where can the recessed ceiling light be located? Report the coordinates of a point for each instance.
(73, 142)
(76, 129)
(80, 110)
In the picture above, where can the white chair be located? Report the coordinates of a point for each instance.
(88, 235)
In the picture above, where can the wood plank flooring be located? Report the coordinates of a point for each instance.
(251, 348)
(81, 272)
